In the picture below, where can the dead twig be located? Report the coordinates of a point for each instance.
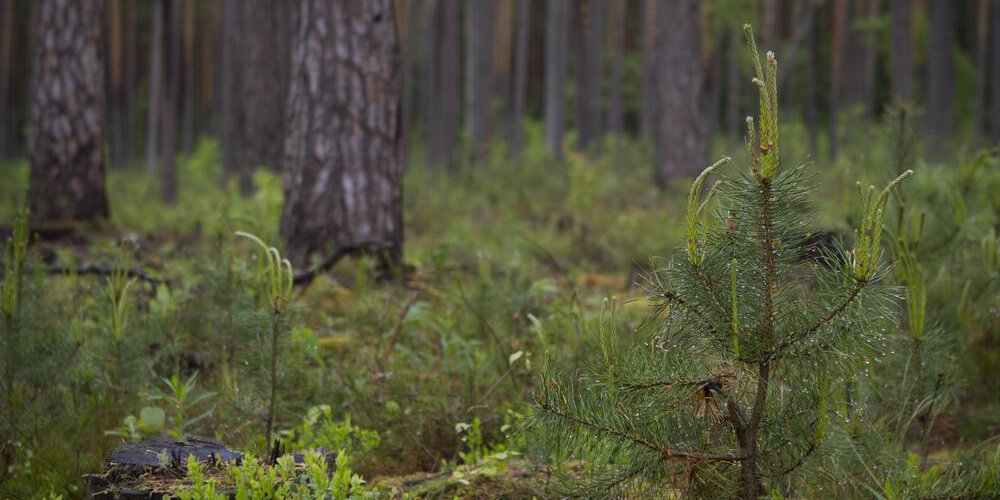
(398, 329)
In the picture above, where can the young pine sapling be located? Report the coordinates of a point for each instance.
(742, 382)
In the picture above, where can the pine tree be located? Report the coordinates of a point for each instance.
(741, 385)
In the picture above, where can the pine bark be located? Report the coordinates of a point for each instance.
(648, 95)
(188, 92)
(734, 119)
(589, 69)
(65, 100)
(232, 110)
(836, 75)
(556, 41)
(263, 86)
(478, 72)
(171, 101)
(941, 72)
(982, 44)
(154, 97)
(682, 148)
(995, 74)
(902, 49)
(519, 93)
(343, 171)
(6, 48)
(443, 81)
(616, 46)
(116, 93)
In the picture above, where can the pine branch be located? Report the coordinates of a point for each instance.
(663, 451)
(785, 344)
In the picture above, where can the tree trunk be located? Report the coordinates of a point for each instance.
(171, 99)
(995, 75)
(648, 97)
(616, 43)
(520, 77)
(478, 73)
(871, 60)
(188, 92)
(589, 61)
(343, 175)
(682, 148)
(902, 49)
(982, 73)
(430, 73)
(836, 75)
(116, 112)
(131, 56)
(263, 90)
(941, 72)
(556, 40)
(449, 104)
(233, 143)
(155, 78)
(65, 99)
(734, 119)
(6, 47)
(406, 23)
(812, 88)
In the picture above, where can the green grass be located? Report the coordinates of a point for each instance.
(514, 261)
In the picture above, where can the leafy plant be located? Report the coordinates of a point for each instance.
(179, 396)
(740, 385)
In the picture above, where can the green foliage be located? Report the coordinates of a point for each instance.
(732, 398)
(319, 429)
(180, 398)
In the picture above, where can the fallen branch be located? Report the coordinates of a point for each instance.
(306, 277)
(100, 271)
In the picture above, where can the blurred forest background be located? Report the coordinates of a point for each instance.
(468, 192)
(472, 72)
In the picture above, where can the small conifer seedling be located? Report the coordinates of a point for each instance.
(742, 383)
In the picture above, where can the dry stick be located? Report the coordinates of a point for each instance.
(398, 329)
(306, 277)
(100, 271)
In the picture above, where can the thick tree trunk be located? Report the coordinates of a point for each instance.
(343, 175)
(155, 78)
(478, 72)
(682, 145)
(66, 95)
(589, 64)
(902, 49)
(233, 143)
(171, 99)
(520, 91)
(263, 86)
(941, 73)
(556, 40)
